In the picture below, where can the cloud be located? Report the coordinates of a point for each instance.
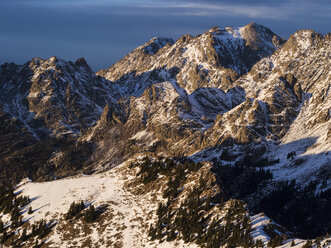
(266, 9)
(222, 9)
(104, 31)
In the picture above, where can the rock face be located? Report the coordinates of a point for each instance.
(178, 89)
(44, 106)
(227, 88)
(233, 88)
(215, 58)
(54, 94)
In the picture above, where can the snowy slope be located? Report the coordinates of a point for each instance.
(123, 224)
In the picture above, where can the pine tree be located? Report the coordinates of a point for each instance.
(30, 211)
(259, 243)
(82, 205)
(75, 209)
(36, 245)
(4, 236)
(23, 237)
(42, 229)
(318, 241)
(245, 223)
(15, 214)
(33, 231)
(171, 235)
(308, 244)
(90, 214)
(207, 206)
(152, 232)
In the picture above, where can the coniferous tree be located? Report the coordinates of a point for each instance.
(259, 243)
(74, 209)
(15, 214)
(245, 222)
(207, 206)
(36, 245)
(33, 231)
(30, 211)
(171, 235)
(90, 214)
(308, 244)
(24, 236)
(82, 205)
(152, 232)
(4, 236)
(42, 229)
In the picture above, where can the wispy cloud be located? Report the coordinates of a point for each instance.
(194, 9)
(266, 9)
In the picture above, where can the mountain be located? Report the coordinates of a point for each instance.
(62, 96)
(178, 91)
(209, 131)
(262, 106)
(44, 105)
(213, 59)
(287, 106)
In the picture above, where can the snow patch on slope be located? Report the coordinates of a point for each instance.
(51, 200)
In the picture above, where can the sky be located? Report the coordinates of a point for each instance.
(104, 31)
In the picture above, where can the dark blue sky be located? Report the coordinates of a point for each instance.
(103, 31)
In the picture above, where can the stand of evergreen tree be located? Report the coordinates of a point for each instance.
(30, 159)
(10, 203)
(90, 214)
(277, 240)
(40, 229)
(192, 226)
(240, 180)
(302, 211)
(150, 170)
(190, 221)
(74, 210)
(308, 244)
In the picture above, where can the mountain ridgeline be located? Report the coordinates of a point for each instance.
(243, 99)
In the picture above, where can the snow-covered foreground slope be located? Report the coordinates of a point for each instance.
(124, 223)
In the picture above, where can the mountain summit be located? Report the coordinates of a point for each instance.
(215, 58)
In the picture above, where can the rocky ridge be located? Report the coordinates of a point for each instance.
(54, 94)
